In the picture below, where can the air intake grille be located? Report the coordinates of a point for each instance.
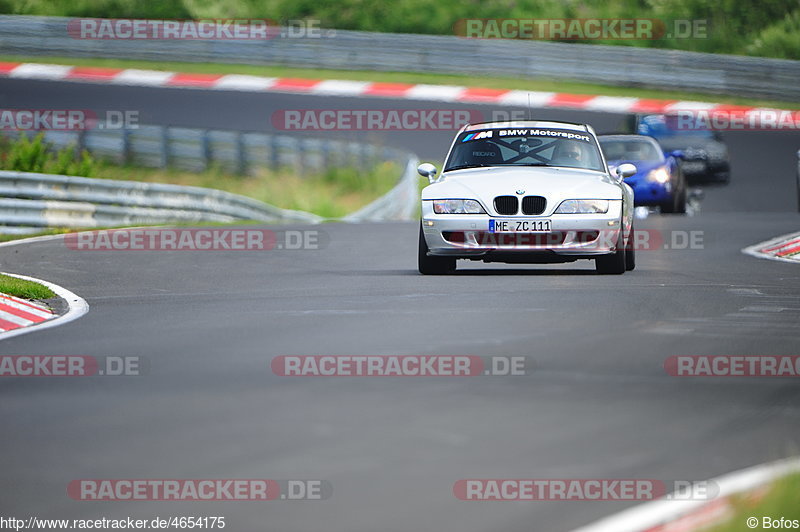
(506, 204)
(533, 204)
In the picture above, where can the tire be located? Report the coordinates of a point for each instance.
(613, 264)
(630, 253)
(680, 206)
(432, 265)
(723, 178)
(677, 203)
(668, 207)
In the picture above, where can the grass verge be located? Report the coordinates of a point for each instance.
(782, 500)
(22, 288)
(511, 83)
(333, 193)
(329, 193)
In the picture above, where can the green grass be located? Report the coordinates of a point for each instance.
(43, 232)
(25, 289)
(23, 154)
(782, 500)
(333, 193)
(510, 83)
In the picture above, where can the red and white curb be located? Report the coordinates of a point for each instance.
(785, 248)
(666, 515)
(16, 313)
(334, 87)
(18, 316)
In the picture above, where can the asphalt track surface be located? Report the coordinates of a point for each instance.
(598, 403)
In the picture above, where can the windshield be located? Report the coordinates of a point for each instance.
(663, 126)
(631, 150)
(524, 147)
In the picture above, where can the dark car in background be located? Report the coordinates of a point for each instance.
(658, 181)
(705, 155)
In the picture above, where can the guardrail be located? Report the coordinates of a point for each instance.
(30, 202)
(400, 204)
(610, 65)
(235, 151)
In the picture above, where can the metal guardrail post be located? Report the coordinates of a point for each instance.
(326, 153)
(126, 146)
(81, 144)
(206, 149)
(241, 154)
(274, 152)
(302, 157)
(164, 146)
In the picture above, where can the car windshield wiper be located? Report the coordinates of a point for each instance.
(463, 166)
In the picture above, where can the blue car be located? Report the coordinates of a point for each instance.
(659, 180)
(705, 155)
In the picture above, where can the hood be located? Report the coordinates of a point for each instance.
(554, 183)
(684, 142)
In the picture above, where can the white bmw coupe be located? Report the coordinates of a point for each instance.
(526, 192)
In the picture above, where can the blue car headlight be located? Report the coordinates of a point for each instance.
(659, 175)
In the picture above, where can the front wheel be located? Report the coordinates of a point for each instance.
(723, 178)
(613, 264)
(432, 265)
(682, 198)
(630, 252)
(683, 195)
(677, 203)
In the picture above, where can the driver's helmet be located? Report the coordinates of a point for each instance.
(569, 152)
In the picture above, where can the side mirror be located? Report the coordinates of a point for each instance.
(626, 170)
(427, 170)
(678, 154)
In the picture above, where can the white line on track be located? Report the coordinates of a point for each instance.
(653, 514)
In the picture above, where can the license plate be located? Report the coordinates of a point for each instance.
(693, 166)
(519, 226)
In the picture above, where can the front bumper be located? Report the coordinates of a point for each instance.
(572, 236)
(650, 193)
(694, 168)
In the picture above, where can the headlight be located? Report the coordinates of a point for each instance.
(457, 206)
(659, 175)
(583, 206)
